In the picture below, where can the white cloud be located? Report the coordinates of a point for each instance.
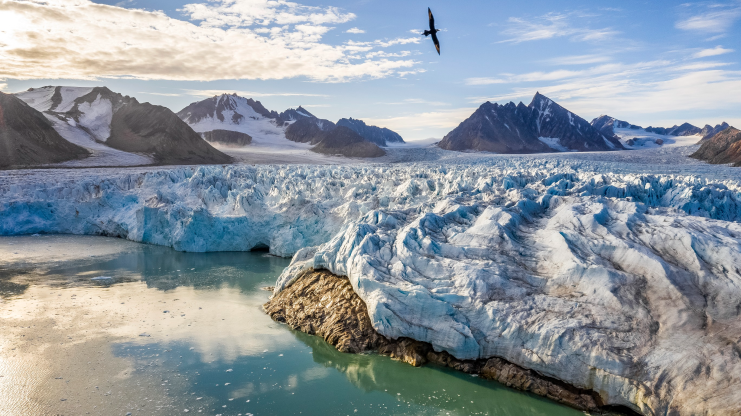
(578, 60)
(423, 125)
(235, 39)
(250, 94)
(717, 21)
(355, 30)
(3, 85)
(552, 25)
(718, 50)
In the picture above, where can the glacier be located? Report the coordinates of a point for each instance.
(622, 281)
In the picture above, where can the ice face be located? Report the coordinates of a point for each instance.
(624, 283)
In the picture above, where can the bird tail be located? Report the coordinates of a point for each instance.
(427, 33)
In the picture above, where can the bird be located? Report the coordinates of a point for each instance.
(432, 31)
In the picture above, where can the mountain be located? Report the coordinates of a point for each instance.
(708, 132)
(377, 135)
(291, 128)
(607, 125)
(119, 126)
(724, 147)
(27, 138)
(343, 141)
(330, 138)
(685, 129)
(542, 126)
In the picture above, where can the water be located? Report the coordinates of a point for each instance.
(94, 325)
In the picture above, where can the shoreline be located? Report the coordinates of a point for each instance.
(323, 304)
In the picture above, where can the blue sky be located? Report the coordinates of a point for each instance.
(646, 62)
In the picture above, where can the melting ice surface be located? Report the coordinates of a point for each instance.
(619, 277)
(173, 331)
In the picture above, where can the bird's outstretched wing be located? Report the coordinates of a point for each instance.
(432, 19)
(437, 42)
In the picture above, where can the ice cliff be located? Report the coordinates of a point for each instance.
(626, 284)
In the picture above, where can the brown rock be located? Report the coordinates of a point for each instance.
(320, 303)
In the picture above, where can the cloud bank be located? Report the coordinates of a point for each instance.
(224, 39)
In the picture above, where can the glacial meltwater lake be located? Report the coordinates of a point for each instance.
(103, 326)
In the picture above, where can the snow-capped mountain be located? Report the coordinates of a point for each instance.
(542, 126)
(27, 138)
(607, 125)
(724, 147)
(294, 128)
(636, 137)
(119, 130)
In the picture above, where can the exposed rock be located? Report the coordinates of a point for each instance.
(345, 142)
(155, 130)
(724, 147)
(686, 129)
(377, 135)
(607, 125)
(222, 107)
(121, 122)
(320, 303)
(305, 130)
(325, 305)
(228, 138)
(708, 132)
(543, 126)
(27, 138)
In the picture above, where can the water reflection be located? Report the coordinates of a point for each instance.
(171, 331)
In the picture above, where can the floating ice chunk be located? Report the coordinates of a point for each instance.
(102, 278)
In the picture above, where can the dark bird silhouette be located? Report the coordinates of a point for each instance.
(433, 31)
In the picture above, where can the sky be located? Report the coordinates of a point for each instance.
(648, 62)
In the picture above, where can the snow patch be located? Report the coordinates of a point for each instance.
(554, 143)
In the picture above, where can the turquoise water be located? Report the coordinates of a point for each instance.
(184, 333)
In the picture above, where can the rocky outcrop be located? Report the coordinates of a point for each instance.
(345, 142)
(227, 138)
(27, 138)
(724, 147)
(379, 136)
(320, 303)
(542, 126)
(708, 132)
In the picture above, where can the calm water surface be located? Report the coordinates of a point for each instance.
(93, 325)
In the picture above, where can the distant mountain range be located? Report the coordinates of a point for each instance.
(353, 138)
(134, 133)
(542, 126)
(607, 125)
(85, 126)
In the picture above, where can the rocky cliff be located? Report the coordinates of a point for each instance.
(724, 147)
(27, 138)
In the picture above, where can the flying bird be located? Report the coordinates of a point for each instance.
(433, 31)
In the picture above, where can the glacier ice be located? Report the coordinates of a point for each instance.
(626, 283)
